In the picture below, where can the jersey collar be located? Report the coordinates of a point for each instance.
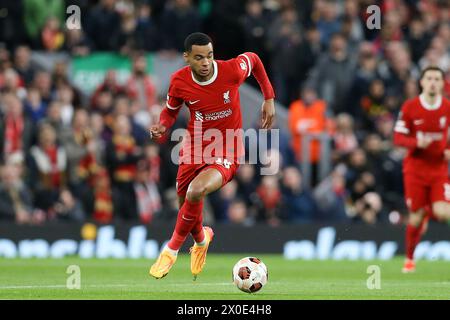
(214, 76)
(428, 106)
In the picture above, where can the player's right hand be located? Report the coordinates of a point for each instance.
(157, 131)
(423, 141)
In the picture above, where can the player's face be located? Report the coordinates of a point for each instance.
(432, 83)
(200, 60)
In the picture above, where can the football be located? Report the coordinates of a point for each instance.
(250, 274)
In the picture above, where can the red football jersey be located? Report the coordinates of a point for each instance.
(416, 118)
(214, 129)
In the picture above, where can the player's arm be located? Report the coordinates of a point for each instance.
(402, 132)
(255, 66)
(168, 115)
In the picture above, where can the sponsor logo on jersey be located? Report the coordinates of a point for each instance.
(435, 136)
(218, 115)
(198, 116)
(213, 115)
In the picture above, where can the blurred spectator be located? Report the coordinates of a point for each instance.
(122, 106)
(37, 13)
(12, 84)
(397, 69)
(352, 22)
(331, 197)
(43, 82)
(22, 64)
(54, 118)
(418, 38)
(328, 21)
(147, 33)
(103, 26)
(77, 43)
(15, 197)
(121, 156)
(178, 20)
(83, 154)
(299, 205)
(307, 116)
(437, 54)
(373, 105)
(365, 73)
(47, 168)
(333, 74)
(16, 129)
(284, 35)
(35, 108)
(254, 25)
(109, 84)
(12, 29)
(103, 206)
(237, 213)
(64, 94)
(368, 208)
(344, 138)
(246, 180)
(140, 86)
(269, 195)
(52, 37)
(147, 194)
(222, 200)
(67, 208)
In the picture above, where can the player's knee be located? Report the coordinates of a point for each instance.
(441, 210)
(415, 218)
(195, 192)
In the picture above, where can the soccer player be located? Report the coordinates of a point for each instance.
(422, 127)
(209, 89)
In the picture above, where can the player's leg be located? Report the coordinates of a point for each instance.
(441, 210)
(197, 231)
(169, 254)
(189, 214)
(209, 180)
(440, 198)
(416, 194)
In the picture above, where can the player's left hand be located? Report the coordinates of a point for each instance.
(268, 113)
(447, 154)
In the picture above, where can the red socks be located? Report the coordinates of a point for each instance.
(197, 230)
(189, 217)
(413, 235)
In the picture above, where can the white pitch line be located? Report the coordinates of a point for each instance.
(114, 285)
(61, 286)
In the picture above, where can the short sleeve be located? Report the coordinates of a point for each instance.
(173, 100)
(403, 123)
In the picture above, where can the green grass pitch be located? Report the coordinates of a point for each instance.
(297, 279)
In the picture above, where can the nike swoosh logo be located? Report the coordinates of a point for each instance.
(193, 102)
(183, 217)
(418, 121)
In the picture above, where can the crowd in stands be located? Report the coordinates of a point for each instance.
(69, 156)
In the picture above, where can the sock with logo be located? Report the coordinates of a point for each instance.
(197, 231)
(188, 216)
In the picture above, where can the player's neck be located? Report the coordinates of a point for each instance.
(430, 99)
(205, 78)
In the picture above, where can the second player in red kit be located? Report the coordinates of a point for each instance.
(422, 127)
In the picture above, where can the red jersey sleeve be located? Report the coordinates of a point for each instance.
(402, 130)
(173, 105)
(250, 63)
